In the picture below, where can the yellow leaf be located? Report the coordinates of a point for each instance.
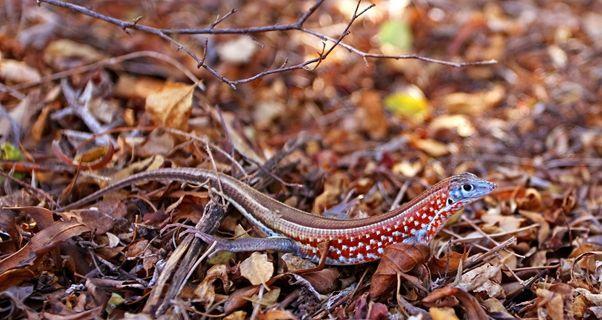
(409, 104)
(256, 268)
(171, 106)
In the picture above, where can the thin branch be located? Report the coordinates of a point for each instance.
(168, 33)
(125, 25)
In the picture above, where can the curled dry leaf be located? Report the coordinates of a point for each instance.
(544, 228)
(205, 291)
(400, 257)
(471, 306)
(324, 281)
(480, 279)
(256, 268)
(448, 264)
(171, 107)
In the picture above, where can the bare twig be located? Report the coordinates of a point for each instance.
(112, 61)
(168, 33)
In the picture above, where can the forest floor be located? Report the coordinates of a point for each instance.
(321, 109)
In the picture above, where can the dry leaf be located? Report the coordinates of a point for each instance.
(473, 309)
(458, 123)
(137, 88)
(171, 107)
(479, 279)
(256, 268)
(239, 50)
(239, 298)
(17, 71)
(205, 291)
(443, 313)
(433, 147)
(474, 103)
(276, 314)
(238, 315)
(324, 281)
(60, 52)
(398, 257)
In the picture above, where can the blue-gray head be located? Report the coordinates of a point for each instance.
(466, 188)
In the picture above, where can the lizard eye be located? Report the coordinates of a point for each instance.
(467, 187)
(450, 201)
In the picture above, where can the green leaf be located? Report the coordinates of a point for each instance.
(10, 152)
(408, 104)
(396, 33)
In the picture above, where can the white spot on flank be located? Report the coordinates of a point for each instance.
(352, 249)
(360, 257)
(396, 233)
(388, 229)
(380, 244)
(413, 231)
(340, 241)
(344, 247)
(416, 223)
(377, 232)
(367, 248)
(380, 250)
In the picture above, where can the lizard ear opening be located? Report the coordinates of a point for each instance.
(450, 201)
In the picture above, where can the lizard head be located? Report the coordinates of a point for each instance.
(461, 190)
(466, 188)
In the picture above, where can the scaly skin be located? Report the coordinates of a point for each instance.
(349, 241)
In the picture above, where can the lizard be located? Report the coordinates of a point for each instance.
(319, 239)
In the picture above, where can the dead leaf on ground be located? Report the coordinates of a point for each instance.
(42, 242)
(474, 103)
(256, 268)
(205, 291)
(171, 107)
(398, 257)
(471, 305)
(324, 281)
(17, 71)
